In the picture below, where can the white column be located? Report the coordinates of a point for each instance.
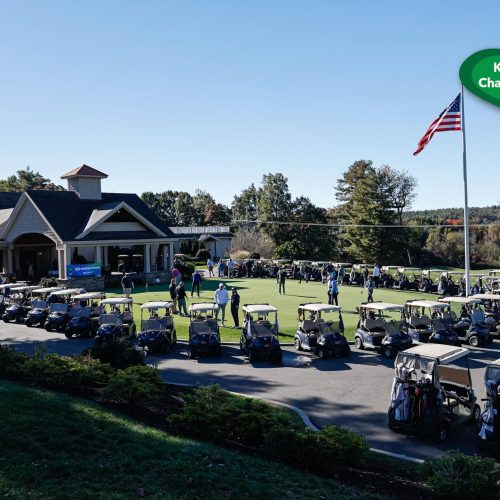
(98, 255)
(60, 260)
(147, 258)
(66, 258)
(170, 256)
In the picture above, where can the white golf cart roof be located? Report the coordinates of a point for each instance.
(460, 300)
(259, 308)
(486, 296)
(7, 285)
(24, 288)
(115, 301)
(345, 264)
(49, 289)
(90, 296)
(494, 271)
(282, 260)
(303, 261)
(443, 353)
(157, 305)
(392, 267)
(203, 306)
(321, 262)
(382, 306)
(431, 304)
(319, 307)
(67, 291)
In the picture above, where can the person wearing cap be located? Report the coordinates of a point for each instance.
(235, 304)
(181, 294)
(221, 298)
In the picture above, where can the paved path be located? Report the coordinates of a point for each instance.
(352, 392)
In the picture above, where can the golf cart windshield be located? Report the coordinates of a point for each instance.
(262, 329)
(109, 319)
(80, 312)
(153, 325)
(59, 308)
(409, 367)
(39, 304)
(493, 372)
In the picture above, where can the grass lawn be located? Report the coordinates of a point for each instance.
(258, 290)
(57, 446)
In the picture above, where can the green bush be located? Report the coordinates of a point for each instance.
(48, 281)
(202, 255)
(118, 353)
(135, 384)
(11, 362)
(456, 474)
(69, 372)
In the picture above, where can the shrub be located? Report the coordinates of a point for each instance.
(48, 281)
(456, 474)
(11, 362)
(70, 372)
(135, 384)
(202, 254)
(254, 255)
(240, 254)
(118, 353)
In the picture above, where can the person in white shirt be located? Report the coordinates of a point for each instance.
(210, 265)
(376, 275)
(221, 298)
(230, 266)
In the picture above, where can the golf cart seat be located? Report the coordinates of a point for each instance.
(127, 317)
(420, 321)
(374, 325)
(309, 326)
(198, 326)
(211, 324)
(169, 322)
(260, 329)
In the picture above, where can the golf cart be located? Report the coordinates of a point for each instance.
(488, 438)
(380, 327)
(491, 303)
(259, 337)
(18, 303)
(323, 338)
(38, 313)
(426, 284)
(425, 323)
(204, 336)
(84, 317)
(428, 396)
(471, 326)
(59, 306)
(116, 320)
(157, 327)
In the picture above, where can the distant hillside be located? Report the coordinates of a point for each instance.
(478, 215)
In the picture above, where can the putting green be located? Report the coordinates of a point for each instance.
(262, 290)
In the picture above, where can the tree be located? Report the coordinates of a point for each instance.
(244, 206)
(274, 204)
(210, 213)
(290, 250)
(253, 242)
(28, 179)
(399, 188)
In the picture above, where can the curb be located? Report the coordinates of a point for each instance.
(307, 422)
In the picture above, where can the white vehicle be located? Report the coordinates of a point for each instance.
(491, 303)
(157, 327)
(204, 335)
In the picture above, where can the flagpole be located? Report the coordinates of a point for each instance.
(466, 205)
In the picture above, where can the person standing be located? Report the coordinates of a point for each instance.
(195, 282)
(222, 268)
(177, 275)
(180, 293)
(334, 292)
(230, 267)
(235, 304)
(341, 274)
(221, 298)
(127, 285)
(376, 275)
(370, 285)
(280, 279)
(173, 295)
(365, 275)
(31, 273)
(329, 289)
(210, 265)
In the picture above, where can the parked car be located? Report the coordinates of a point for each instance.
(488, 438)
(425, 322)
(259, 338)
(429, 397)
(470, 323)
(116, 320)
(204, 335)
(380, 327)
(157, 327)
(323, 338)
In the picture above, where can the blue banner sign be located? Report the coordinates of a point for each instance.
(83, 270)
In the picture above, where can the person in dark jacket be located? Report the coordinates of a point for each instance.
(173, 295)
(181, 295)
(280, 279)
(235, 304)
(127, 285)
(195, 283)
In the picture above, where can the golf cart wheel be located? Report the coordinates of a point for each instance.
(475, 415)
(322, 354)
(48, 327)
(5, 318)
(474, 341)
(28, 323)
(251, 356)
(358, 343)
(387, 352)
(190, 354)
(242, 349)
(68, 335)
(297, 344)
(278, 356)
(441, 434)
(346, 352)
(165, 348)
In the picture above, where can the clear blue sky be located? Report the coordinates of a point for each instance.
(212, 94)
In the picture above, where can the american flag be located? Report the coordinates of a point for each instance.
(449, 119)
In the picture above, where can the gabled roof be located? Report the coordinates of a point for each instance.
(8, 199)
(84, 171)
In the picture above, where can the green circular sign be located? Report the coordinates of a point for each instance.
(480, 73)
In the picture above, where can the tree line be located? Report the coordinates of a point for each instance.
(371, 220)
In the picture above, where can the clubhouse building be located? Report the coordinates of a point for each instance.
(56, 232)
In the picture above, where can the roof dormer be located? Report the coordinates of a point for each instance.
(85, 181)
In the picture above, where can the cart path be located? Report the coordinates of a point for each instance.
(353, 392)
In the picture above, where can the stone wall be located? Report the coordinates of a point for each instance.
(91, 283)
